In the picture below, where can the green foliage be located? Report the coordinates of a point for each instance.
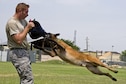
(123, 56)
(123, 53)
(1, 48)
(70, 43)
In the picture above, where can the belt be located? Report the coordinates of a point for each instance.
(18, 48)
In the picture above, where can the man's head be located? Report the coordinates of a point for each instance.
(22, 10)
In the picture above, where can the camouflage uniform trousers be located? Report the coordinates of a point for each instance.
(20, 60)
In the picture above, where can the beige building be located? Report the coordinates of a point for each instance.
(110, 56)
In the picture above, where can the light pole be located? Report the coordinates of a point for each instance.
(112, 52)
(1, 50)
(87, 45)
(75, 37)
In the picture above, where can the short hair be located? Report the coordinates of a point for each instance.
(21, 7)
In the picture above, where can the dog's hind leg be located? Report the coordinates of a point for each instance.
(95, 70)
(115, 71)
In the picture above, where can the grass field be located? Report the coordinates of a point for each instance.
(57, 72)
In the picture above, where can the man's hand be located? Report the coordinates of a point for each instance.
(30, 25)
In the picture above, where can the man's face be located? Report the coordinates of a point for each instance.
(24, 14)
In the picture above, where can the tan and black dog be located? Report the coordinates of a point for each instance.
(68, 54)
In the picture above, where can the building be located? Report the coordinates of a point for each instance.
(38, 55)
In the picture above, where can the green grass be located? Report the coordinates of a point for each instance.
(57, 72)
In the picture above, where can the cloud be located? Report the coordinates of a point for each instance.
(31, 1)
(75, 2)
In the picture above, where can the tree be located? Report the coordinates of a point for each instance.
(70, 43)
(123, 56)
(1, 48)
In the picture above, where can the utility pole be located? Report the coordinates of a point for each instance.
(1, 49)
(112, 52)
(74, 37)
(87, 43)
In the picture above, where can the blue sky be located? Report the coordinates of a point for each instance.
(102, 21)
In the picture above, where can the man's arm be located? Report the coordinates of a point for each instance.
(19, 37)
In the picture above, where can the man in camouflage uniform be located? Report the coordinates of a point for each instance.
(16, 29)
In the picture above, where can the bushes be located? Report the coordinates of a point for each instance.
(123, 56)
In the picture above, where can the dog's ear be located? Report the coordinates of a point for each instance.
(52, 36)
(57, 34)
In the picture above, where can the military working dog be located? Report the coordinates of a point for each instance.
(68, 54)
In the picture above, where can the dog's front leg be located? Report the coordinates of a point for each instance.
(51, 53)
